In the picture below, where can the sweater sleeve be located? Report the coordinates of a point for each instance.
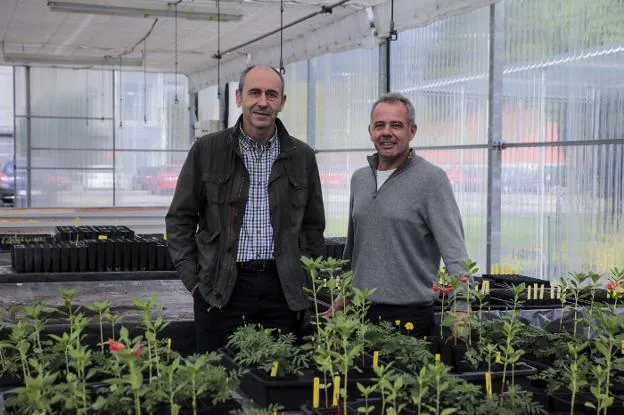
(448, 230)
(348, 249)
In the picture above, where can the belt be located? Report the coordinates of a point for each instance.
(257, 265)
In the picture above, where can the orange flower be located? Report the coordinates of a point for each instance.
(114, 346)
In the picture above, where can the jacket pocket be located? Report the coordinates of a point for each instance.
(207, 257)
(298, 188)
(215, 186)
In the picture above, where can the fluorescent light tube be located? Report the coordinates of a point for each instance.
(186, 13)
(27, 59)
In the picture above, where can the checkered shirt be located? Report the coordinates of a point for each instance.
(256, 234)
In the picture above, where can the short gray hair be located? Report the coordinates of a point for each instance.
(393, 97)
(241, 81)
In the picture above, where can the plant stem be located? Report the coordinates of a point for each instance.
(442, 317)
(438, 391)
(137, 402)
(101, 334)
(194, 385)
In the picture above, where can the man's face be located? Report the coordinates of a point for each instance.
(261, 100)
(391, 133)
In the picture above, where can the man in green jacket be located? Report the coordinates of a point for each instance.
(247, 205)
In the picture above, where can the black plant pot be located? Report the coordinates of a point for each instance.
(203, 408)
(291, 391)
(334, 410)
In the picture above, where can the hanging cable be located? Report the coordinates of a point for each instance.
(144, 83)
(120, 94)
(102, 96)
(176, 49)
(281, 67)
(87, 91)
(218, 55)
(393, 35)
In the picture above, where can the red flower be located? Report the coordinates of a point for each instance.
(611, 285)
(463, 279)
(114, 346)
(138, 350)
(446, 290)
(435, 288)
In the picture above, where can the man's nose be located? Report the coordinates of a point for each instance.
(262, 100)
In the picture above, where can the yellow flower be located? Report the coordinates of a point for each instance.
(397, 323)
(409, 326)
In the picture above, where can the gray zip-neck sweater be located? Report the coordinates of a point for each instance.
(397, 235)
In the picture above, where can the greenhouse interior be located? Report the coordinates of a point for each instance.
(177, 237)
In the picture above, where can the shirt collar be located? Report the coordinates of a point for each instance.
(247, 143)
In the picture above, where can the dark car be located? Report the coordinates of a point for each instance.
(7, 183)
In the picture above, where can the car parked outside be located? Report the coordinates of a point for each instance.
(144, 178)
(7, 183)
(166, 179)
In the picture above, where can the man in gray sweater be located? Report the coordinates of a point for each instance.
(403, 218)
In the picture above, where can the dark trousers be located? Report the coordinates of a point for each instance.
(421, 317)
(257, 299)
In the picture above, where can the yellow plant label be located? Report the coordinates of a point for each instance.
(541, 292)
(488, 385)
(436, 358)
(315, 392)
(552, 292)
(102, 237)
(336, 394)
(529, 288)
(169, 345)
(274, 368)
(165, 236)
(535, 291)
(622, 346)
(498, 357)
(487, 286)
(77, 221)
(375, 358)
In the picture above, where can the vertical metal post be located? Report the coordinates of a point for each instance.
(28, 139)
(114, 133)
(495, 144)
(311, 108)
(384, 66)
(15, 188)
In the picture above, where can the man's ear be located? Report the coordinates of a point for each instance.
(239, 97)
(283, 103)
(413, 130)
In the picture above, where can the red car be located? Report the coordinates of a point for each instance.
(144, 178)
(165, 179)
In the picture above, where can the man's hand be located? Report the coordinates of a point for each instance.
(460, 322)
(339, 304)
(195, 287)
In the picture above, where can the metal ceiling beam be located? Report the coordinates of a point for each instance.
(323, 10)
